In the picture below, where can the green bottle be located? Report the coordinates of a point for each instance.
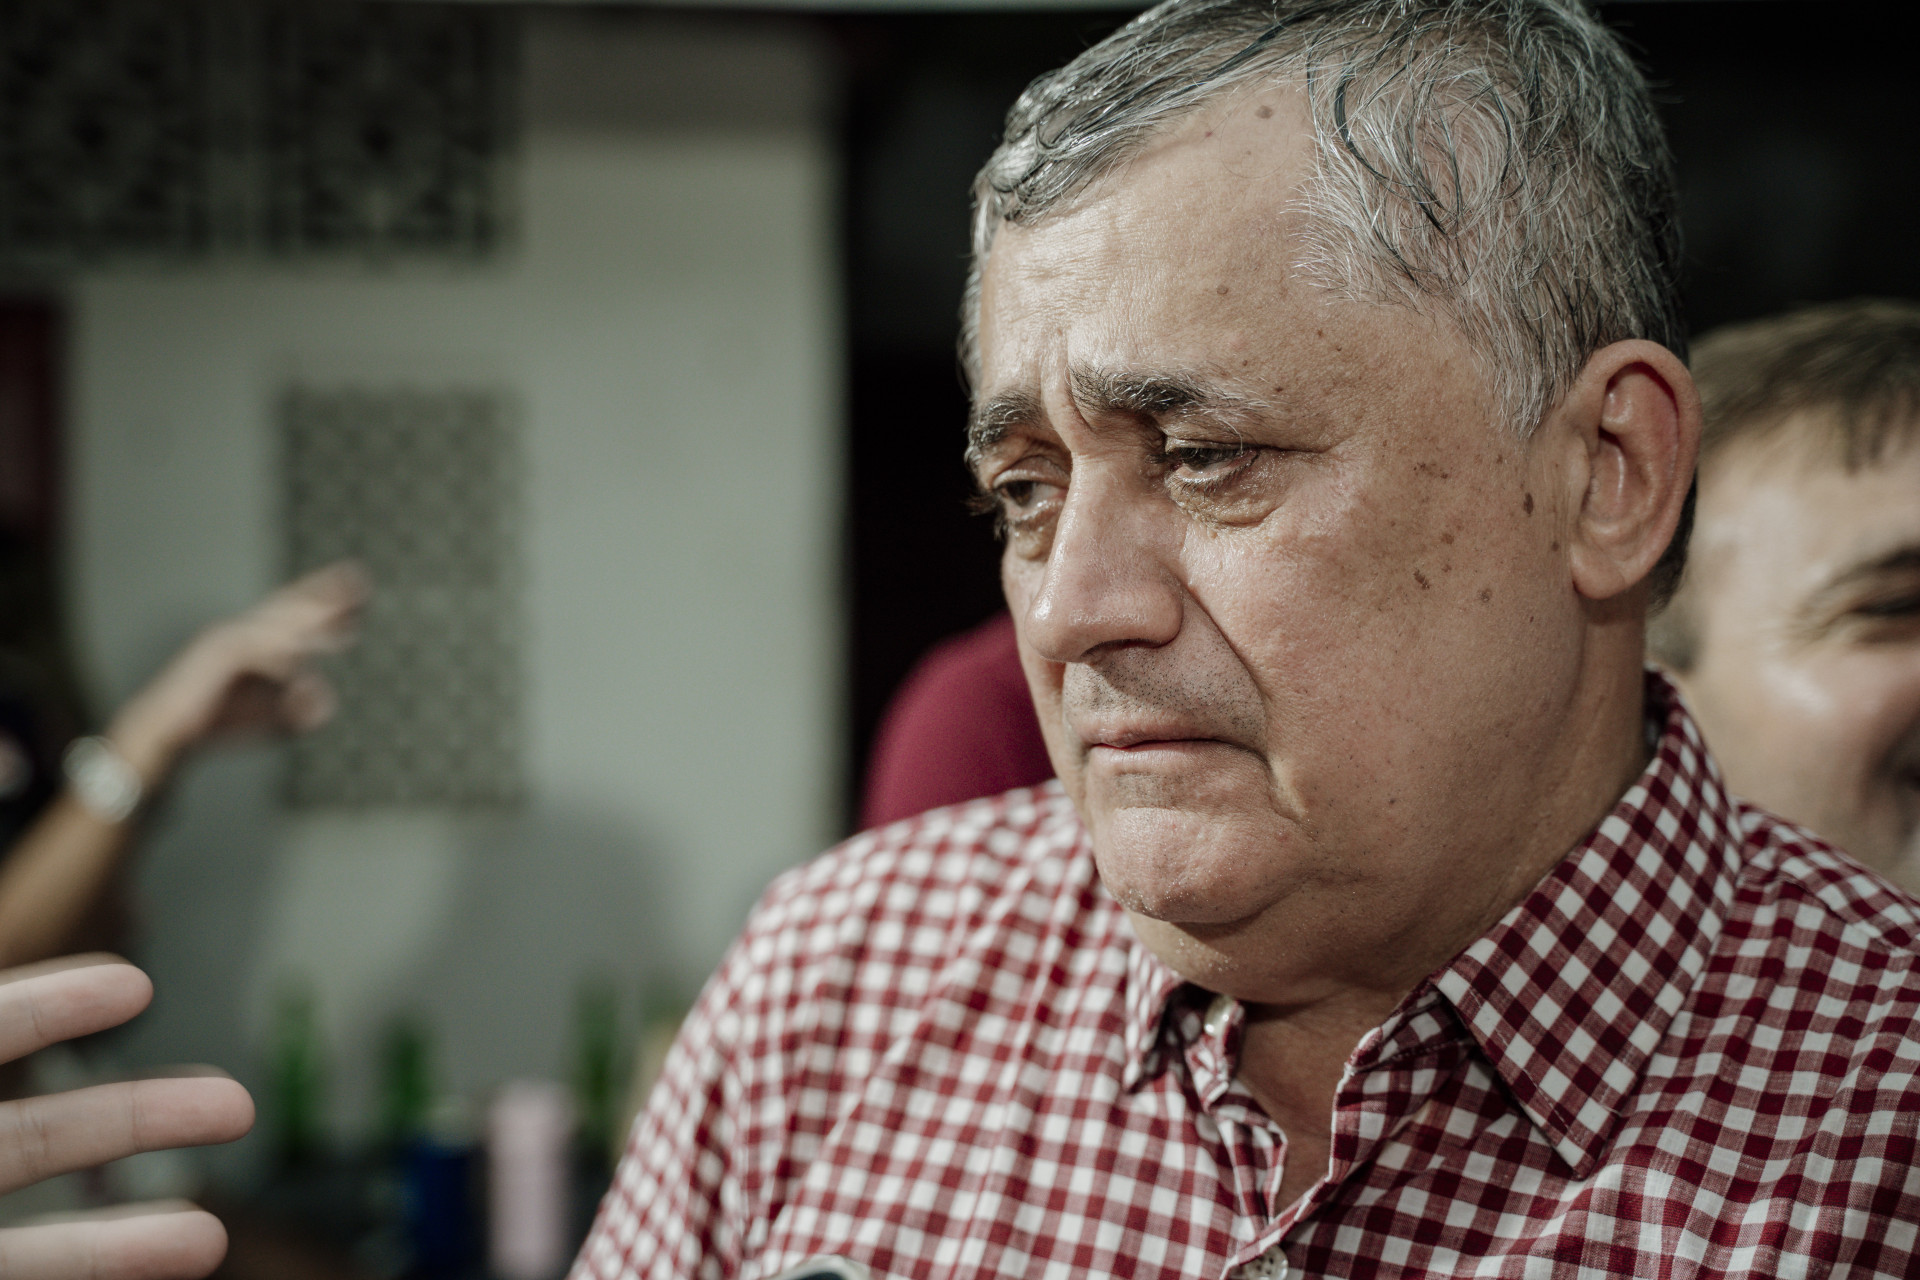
(296, 1078)
(406, 1082)
(596, 1067)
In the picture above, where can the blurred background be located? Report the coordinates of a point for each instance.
(616, 341)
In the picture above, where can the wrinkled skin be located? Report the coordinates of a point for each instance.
(1333, 667)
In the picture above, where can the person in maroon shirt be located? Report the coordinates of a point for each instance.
(961, 725)
(1387, 917)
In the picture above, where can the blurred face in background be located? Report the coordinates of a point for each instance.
(1804, 598)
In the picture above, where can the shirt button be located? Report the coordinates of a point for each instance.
(1271, 1265)
(1217, 1014)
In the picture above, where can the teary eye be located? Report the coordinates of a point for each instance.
(1018, 500)
(1017, 494)
(1023, 507)
(1201, 458)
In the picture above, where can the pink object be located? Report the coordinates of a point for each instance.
(528, 1128)
(961, 726)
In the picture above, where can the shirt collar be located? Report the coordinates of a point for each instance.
(1150, 988)
(1570, 992)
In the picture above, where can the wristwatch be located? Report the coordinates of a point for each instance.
(101, 779)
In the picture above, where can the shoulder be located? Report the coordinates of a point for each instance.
(935, 857)
(989, 651)
(879, 916)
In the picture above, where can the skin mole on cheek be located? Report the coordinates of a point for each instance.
(1486, 595)
(1527, 506)
(1447, 538)
(1223, 291)
(1265, 113)
(1421, 578)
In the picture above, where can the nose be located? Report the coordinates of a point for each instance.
(1107, 581)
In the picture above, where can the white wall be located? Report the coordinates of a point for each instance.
(670, 326)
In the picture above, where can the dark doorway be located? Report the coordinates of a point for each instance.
(927, 97)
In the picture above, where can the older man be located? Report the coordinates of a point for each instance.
(1386, 920)
(1796, 631)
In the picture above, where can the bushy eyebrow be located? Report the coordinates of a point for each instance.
(995, 418)
(1161, 397)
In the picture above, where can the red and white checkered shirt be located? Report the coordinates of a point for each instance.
(939, 1051)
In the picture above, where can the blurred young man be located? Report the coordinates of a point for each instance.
(1796, 631)
(1388, 918)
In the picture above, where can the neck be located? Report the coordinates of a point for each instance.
(1294, 1051)
(1360, 945)
(1293, 1054)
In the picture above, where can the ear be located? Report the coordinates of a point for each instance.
(1635, 411)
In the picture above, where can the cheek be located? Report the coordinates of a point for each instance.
(1018, 581)
(1863, 704)
(1828, 722)
(1371, 585)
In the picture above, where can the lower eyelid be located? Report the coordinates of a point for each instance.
(1224, 469)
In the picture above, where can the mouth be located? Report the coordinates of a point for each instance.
(1149, 738)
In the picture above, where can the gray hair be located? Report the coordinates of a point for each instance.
(1497, 163)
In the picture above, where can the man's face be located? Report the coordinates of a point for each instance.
(1806, 599)
(1294, 605)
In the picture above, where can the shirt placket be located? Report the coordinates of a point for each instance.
(1255, 1147)
(1392, 1076)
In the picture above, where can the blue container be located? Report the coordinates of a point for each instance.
(441, 1232)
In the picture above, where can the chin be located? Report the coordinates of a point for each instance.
(1191, 869)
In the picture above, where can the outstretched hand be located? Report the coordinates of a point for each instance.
(41, 1137)
(249, 673)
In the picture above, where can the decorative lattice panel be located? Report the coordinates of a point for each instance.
(169, 128)
(383, 127)
(421, 487)
(107, 127)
